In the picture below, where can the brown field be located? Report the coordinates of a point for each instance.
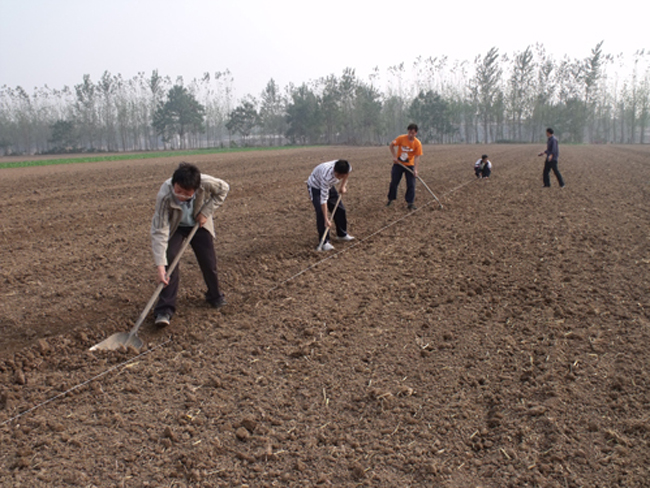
(501, 341)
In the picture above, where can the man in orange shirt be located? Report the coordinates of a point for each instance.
(406, 150)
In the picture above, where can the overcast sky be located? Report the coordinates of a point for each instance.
(56, 42)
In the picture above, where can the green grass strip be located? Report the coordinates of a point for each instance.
(132, 156)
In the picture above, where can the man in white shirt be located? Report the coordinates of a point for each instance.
(483, 167)
(324, 196)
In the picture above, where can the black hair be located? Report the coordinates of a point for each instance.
(550, 131)
(412, 127)
(485, 156)
(188, 176)
(342, 167)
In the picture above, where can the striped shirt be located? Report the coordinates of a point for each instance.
(322, 178)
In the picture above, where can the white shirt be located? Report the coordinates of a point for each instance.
(478, 164)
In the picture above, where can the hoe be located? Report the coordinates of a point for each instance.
(127, 339)
(327, 229)
(422, 181)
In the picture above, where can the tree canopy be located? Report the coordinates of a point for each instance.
(243, 119)
(178, 115)
(497, 98)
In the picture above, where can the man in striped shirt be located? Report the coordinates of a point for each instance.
(324, 196)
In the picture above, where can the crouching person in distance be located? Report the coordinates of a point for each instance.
(483, 167)
(183, 200)
(324, 196)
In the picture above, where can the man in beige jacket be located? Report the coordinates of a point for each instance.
(185, 199)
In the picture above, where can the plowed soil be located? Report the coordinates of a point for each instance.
(499, 341)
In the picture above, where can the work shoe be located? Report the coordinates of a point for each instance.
(345, 238)
(326, 247)
(218, 303)
(412, 206)
(162, 320)
(390, 202)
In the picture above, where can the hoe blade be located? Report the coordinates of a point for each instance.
(115, 341)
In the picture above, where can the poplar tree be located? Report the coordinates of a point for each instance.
(487, 80)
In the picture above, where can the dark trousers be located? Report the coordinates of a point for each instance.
(482, 173)
(548, 166)
(395, 178)
(340, 219)
(203, 247)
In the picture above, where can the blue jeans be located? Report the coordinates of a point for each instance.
(395, 178)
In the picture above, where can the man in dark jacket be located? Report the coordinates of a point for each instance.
(552, 155)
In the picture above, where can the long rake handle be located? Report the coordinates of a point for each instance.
(327, 229)
(422, 181)
(160, 286)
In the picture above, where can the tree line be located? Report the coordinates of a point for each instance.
(496, 98)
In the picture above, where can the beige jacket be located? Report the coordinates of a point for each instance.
(168, 213)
